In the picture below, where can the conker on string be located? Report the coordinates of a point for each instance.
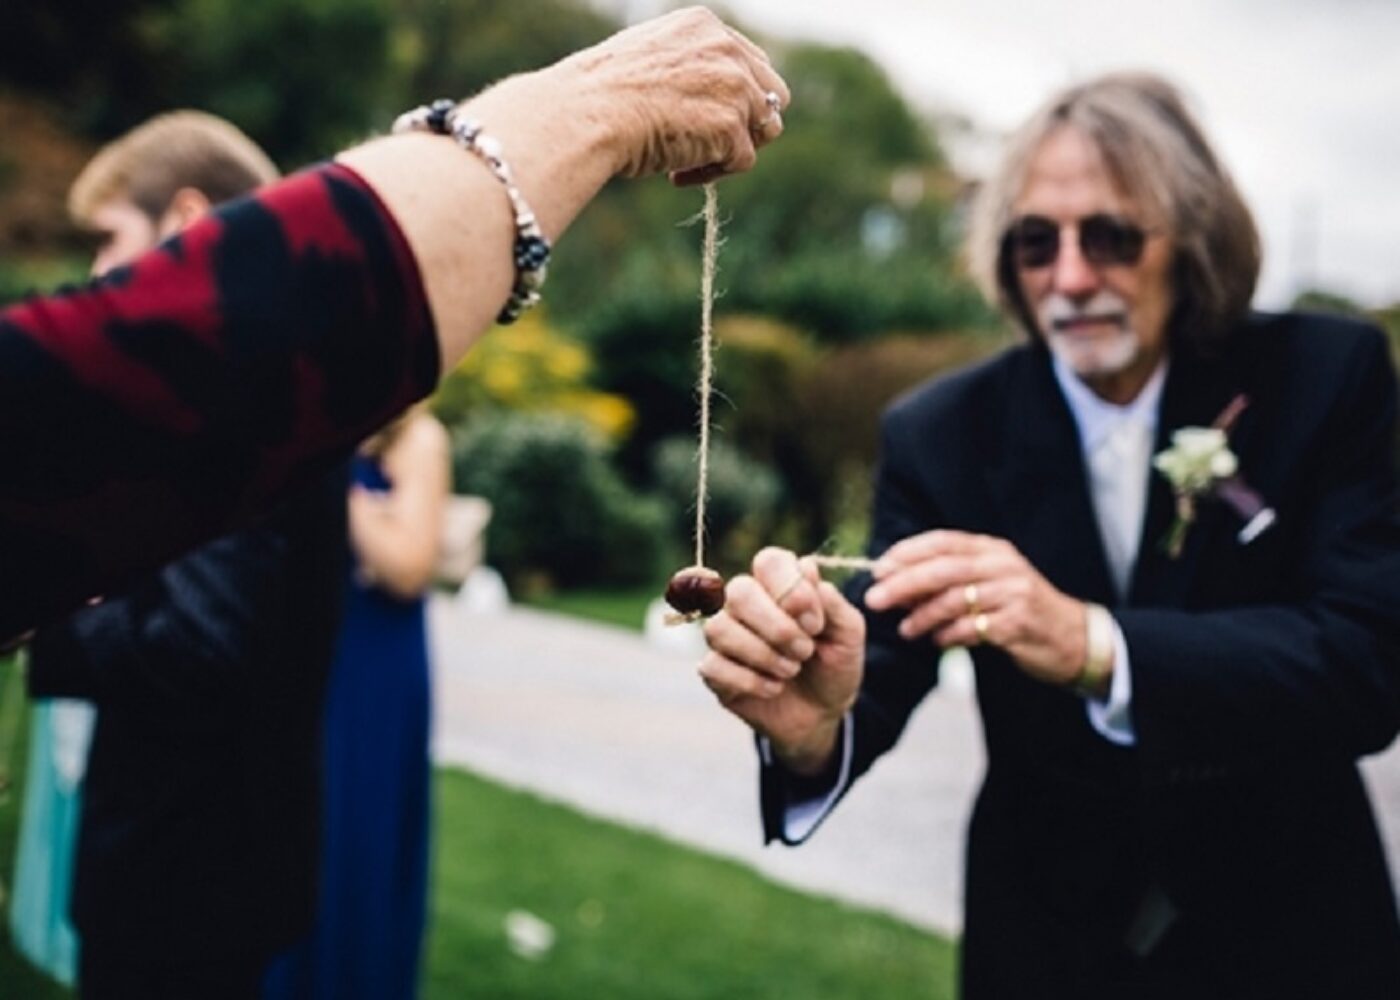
(696, 590)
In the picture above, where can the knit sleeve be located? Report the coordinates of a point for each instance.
(173, 399)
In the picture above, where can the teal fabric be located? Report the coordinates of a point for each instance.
(58, 739)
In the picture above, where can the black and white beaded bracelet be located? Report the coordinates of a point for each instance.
(531, 249)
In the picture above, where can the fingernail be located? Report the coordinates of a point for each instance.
(772, 689)
(811, 623)
(875, 597)
(905, 628)
(790, 668)
(801, 650)
(879, 569)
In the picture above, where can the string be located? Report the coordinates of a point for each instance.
(707, 365)
(704, 388)
(705, 384)
(842, 562)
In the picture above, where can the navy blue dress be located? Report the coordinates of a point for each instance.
(368, 935)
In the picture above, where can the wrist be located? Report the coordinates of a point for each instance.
(562, 146)
(1096, 669)
(813, 753)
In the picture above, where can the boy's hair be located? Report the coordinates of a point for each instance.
(179, 149)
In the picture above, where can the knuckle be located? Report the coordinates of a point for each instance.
(741, 588)
(768, 557)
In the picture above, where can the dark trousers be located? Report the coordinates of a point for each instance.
(116, 977)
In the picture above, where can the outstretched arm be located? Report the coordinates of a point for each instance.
(173, 400)
(682, 94)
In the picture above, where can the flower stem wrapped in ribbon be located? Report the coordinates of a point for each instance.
(1199, 464)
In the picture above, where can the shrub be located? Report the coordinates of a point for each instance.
(844, 297)
(839, 402)
(532, 366)
(741, 501)
(644, 345)
(562, 513)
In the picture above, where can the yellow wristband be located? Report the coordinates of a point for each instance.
(1098, 651)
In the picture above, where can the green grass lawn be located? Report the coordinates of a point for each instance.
(639, 917)
(636, 917)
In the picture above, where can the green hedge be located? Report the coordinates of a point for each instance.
(563, 516)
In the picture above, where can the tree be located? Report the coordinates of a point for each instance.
(303, 78)
(456, 49)
(797, 229)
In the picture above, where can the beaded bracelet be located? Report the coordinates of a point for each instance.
(531, 248)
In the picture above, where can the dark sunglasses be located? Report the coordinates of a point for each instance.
(1034, 241)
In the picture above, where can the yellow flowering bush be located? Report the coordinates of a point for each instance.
(532, 367)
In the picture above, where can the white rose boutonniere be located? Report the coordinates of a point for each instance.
(1199, 464)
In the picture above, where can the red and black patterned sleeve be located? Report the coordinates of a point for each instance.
(174, 399)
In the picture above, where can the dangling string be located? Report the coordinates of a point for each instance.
(707, 364)
(704, 388)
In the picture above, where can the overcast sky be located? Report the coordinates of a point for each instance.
(1302, 97)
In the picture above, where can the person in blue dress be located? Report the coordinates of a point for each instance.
(367, 938)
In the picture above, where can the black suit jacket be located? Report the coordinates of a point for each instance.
(200, 815)
(1260, 673)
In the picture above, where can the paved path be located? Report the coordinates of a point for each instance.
(595, 717)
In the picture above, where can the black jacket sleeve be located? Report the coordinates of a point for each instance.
(192, 638)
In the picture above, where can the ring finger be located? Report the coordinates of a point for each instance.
(766, 118)
(981, 629)
(953, 603)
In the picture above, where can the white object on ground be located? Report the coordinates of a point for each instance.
(482, 593)
(528, 935)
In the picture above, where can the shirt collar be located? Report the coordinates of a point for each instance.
(1096, 417)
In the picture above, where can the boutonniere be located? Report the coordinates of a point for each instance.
(1199, 464)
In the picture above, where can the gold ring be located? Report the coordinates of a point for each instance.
(970, 596)
(979, 622)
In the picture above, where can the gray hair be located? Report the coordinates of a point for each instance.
(1157, 155)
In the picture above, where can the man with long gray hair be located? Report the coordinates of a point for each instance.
(1166, 528)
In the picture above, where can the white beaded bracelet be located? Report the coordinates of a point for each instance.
(531, 249)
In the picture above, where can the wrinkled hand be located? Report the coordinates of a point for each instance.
(786, 656)
(947, 579)
(685, 94)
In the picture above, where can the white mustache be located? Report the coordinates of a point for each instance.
(1061, 312)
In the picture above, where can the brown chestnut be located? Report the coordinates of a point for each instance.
(696, 591)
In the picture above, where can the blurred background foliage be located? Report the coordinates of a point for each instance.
(839, 277)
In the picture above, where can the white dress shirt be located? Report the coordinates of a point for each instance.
(1117, 445)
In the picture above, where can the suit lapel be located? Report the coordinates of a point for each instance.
(1039, 482)
(1196, 393)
